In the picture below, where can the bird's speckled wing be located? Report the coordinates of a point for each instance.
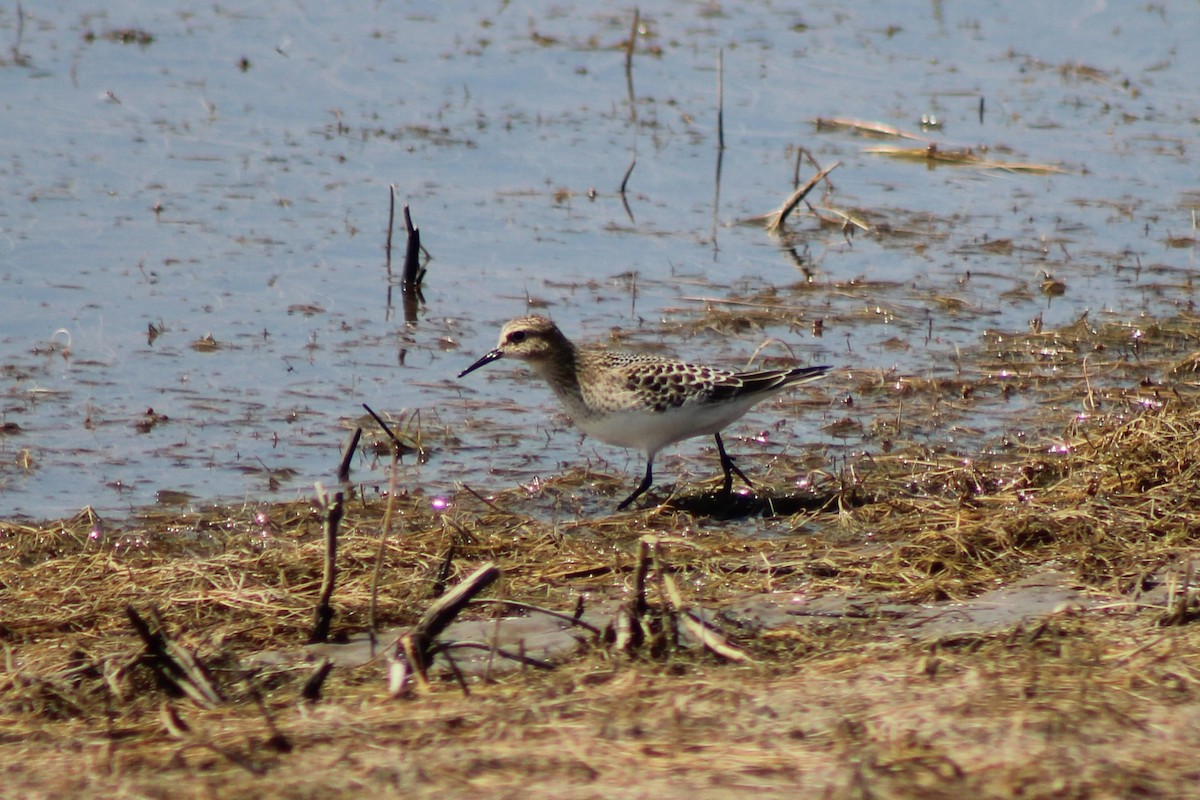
(660, 385)
(621, 381)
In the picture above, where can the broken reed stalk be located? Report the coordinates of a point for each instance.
(323, 616)
(661, 629)
(631, 628)
(790, 204)
(442, 612)
(413, 273)
(414, 649)
(708, 637)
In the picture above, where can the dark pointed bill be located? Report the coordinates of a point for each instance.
(487, 359)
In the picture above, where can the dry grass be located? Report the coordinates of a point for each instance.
(1102, 703)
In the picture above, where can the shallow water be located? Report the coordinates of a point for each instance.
(226, 181)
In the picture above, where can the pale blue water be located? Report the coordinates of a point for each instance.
(164, 184)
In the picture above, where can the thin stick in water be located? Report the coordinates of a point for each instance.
(633, 32)
(721, 99)
(628, 172)
(624, 184)
(391, 224)
(343, 473)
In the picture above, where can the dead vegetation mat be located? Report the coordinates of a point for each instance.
(1097, 703)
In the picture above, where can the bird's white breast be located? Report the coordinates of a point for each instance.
(650, 431)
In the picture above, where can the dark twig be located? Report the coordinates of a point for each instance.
(520, 658)
(631, 628)
(224, 752)
(391, 226)
(624, 184)
(574, 620)
(278, 740)
(443, 573)
(411, 303)
(324, 613)
(800, 154)
(383, 425)
(343, 473)
(316, 680)
(625, 179)
(643, 569)
(456, 672)
(490, 504)
(178, 671)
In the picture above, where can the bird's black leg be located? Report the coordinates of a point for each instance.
(729, 467)
(645, 484)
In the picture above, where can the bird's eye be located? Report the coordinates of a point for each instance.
(516, 337)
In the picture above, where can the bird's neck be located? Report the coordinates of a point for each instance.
(560, 373)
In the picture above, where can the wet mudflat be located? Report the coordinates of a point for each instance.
(968, 566)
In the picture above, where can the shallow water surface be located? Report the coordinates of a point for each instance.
(193, 206)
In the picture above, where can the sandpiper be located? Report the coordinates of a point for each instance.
(639, 401)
